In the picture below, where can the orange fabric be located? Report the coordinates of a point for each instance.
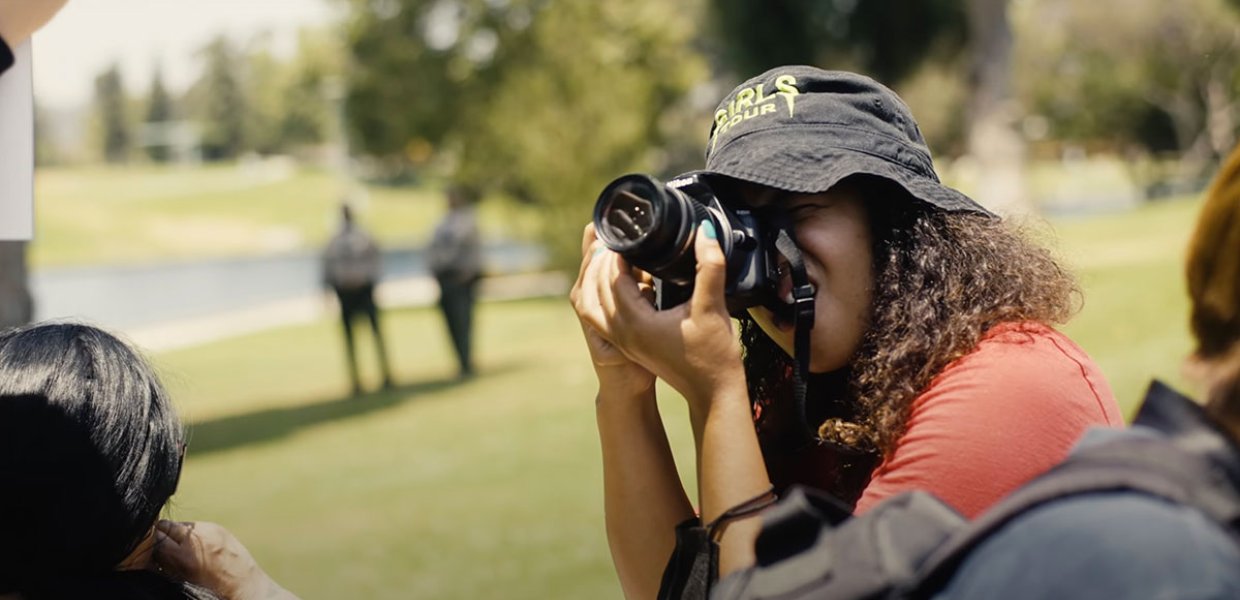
(996, 418)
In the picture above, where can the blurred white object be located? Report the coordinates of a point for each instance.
(17, 149)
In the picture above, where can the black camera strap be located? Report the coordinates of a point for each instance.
(802, 318)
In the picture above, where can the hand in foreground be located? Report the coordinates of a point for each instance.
(208, 555)
(692, 347)
(615, 370)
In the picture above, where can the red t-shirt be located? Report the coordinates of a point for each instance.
(995, 418)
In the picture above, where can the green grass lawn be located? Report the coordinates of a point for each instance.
(1134, 322)
(489, 488)
(108, 215)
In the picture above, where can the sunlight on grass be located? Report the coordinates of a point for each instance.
(1134, 322)
(483, 489)
(101, 215)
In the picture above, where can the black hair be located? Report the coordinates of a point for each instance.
(90, 452)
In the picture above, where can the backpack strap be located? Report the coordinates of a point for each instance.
(1144, 465)
(694, 565)
(809, 548)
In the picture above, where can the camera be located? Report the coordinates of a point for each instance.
(653, 226)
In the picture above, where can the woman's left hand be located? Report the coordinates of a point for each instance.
(693, 346)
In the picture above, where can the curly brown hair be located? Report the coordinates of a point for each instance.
(942, 280)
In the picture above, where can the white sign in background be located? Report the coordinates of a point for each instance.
(17, 149)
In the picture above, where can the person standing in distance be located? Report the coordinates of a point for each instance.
(455, 259)
(351, 266)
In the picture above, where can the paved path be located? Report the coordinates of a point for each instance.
(129, 296)
(173, 305)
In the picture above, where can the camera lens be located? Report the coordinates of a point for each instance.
(650, 225)
(629, 213)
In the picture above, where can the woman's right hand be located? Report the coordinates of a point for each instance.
(208, 555)
(617, 374)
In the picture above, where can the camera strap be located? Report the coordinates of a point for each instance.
(802, 318)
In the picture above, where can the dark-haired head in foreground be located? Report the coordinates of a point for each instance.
(90, 452)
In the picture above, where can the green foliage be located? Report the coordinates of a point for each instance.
(248, 99)
(543, 101)
(570, 117)
(265, 78)
(159, 109)
(888, 39)
(223, 110)
(1152, 75)
(309, 96)
(112, 112)
(420, 67)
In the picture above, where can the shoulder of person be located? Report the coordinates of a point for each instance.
(1109, 545)
(995, 418)
(1029, 368)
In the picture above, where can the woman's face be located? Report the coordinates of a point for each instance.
(832, 230)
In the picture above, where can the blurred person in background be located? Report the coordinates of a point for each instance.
(455, 259)
(1131, 544)
(351, 269)
(91, 451)
(932, 359)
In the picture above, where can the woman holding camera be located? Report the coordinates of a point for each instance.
(931, 357)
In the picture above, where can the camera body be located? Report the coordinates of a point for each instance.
(653, 226)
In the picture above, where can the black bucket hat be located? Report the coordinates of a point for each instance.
(804, 129)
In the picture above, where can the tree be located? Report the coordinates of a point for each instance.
(220, 100)
(308, 98)
(887, 39)
(111, 109)
(890, 40)
(158, 110)
(542, 100)
(994, 143)
(264, 81)
(1152, 76)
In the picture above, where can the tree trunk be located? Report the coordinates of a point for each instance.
(16, 305)
(994, 144)
(1220, 114)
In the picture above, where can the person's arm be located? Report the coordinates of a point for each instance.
(642, 495)
(19, 19)
(695, 349)
(643, 499)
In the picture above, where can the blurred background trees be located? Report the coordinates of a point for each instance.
(544, 101)
(1141, 79)
(539, 100)
(113, 113)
